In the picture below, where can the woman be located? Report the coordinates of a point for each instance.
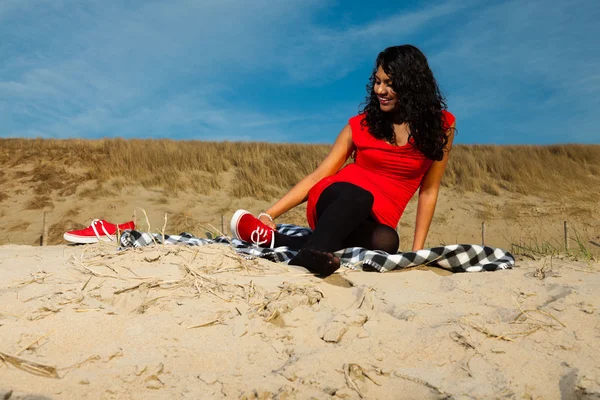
(401, 141)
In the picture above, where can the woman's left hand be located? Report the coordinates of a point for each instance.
(267, 221)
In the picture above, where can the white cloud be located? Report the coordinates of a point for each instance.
(97, 68)
(104, 68)
(326, 53)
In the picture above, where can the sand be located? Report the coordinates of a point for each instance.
(188, 323)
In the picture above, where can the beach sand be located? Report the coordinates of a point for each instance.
(201, 322)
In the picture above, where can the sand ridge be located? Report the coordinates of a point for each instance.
(202, 322)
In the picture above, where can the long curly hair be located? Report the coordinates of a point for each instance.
(420, 102)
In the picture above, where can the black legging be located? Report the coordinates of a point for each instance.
(343, 220)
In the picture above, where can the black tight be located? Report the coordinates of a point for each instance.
(343, 220)
(374, 236)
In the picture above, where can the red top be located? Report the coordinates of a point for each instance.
(391, 173)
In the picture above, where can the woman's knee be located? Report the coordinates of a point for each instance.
(386, 239)
(363, 197)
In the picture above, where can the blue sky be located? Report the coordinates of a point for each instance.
(291, 70)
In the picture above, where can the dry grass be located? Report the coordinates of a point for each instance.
(48, 177)
(3, 180)
(39, 203)
(261, 170)
(72, 213)
(65, 224)
(197, 279)
(264, 171)
(96, 191)
(537, 170)
(579, 248)
(19, 227)
(184, 222)
(32, 367)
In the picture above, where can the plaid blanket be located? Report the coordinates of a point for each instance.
(456, 258)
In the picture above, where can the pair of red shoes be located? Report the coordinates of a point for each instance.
(244, 226)
(99, 231)
(248, 228)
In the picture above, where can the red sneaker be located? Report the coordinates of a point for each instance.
(246, 227)
(99, 231)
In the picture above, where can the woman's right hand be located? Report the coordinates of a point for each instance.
(267, 221)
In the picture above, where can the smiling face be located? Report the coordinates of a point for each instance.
(384, 91)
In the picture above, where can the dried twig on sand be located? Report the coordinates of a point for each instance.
(524, 317)
(164, 227)
(144, 306)
(209, 323)
(33, 343)
(276, 313)
(420, 381)
(12, 315)
(485, 331)
(505, 336)
(77, 299)
(98, 274)
(32, 367)
(86, 283)
(37, 277)
(538, 322)
(148, 223)
(217, 319)
(277, 303)
(461, 340)
(172, 284)
(354, 369)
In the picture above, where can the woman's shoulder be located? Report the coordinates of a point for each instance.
(356, 120)
(357, 126)
(449, 119)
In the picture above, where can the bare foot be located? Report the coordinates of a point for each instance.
(319, 262)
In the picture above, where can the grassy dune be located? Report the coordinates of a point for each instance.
(524, 192)
(264, 170)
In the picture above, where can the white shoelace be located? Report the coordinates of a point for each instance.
(108, 235)
(259, 232)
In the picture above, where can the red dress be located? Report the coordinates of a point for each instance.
(391, 173)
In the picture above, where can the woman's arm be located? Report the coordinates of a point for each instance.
(428, 194)
(339, 153)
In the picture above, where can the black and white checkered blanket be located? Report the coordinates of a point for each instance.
(456, 258)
